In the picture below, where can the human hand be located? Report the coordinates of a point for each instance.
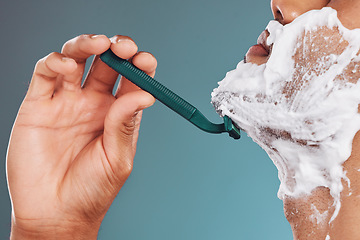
(72, 146)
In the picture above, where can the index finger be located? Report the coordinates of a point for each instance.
(80, 48)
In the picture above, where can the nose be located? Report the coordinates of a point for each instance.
(285, 11)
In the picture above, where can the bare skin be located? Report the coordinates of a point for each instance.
(72, 146)
(299, 211)
(80, 141)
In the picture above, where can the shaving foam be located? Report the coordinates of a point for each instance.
(301, 106)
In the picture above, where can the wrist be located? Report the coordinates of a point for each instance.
(26, 229)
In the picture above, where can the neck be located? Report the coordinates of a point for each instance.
(309, 216)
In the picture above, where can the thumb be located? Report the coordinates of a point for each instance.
(121, 129)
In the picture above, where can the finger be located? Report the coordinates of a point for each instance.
(46, 72)
(80, 48)
(144, 61)
(121, 129)
(101, 77)
(123, 46)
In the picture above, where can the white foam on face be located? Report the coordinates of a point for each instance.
(301, 106)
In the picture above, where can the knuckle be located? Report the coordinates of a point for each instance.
(82, 36)
(82, 48)
(127, 129)
(40, 62)
(51, 56)
(44, 66)
(45, 60)
(68, 43)
(119, 171)
(127, 169)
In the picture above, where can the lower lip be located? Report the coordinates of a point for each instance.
(258, 50)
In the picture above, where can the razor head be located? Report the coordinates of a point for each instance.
(231, 128)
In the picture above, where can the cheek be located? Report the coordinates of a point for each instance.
(312, 57)
(348, 12)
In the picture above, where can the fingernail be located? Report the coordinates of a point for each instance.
(113, 40)
(94, 36)
(124, 40)
(66, 59)
(119, 39)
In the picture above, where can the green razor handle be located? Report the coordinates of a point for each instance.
(167, 97)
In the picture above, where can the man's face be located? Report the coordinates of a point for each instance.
(285, 11)
(297, 94)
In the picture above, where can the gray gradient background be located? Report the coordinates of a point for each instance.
(186, 184)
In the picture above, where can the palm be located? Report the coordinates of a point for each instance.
(59, 151)
(62, 134)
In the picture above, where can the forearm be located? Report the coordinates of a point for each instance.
(45, 229)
